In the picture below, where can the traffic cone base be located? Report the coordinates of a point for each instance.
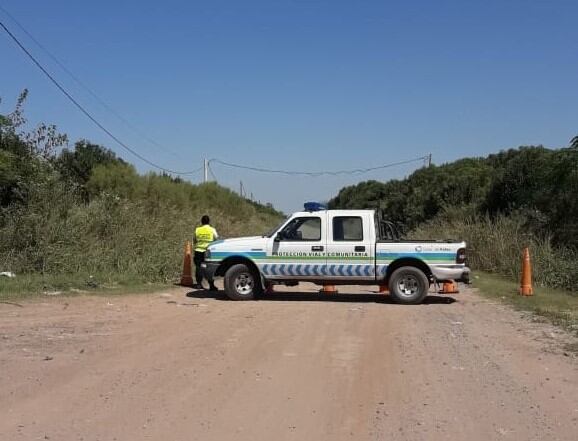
(187, 277)
(383, 289)
(329, 289)
(449, 287)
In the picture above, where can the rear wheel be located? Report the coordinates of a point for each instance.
(408, 285)
(241, 283)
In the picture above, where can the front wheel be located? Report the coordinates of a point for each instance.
(241, 283)
(408, 285)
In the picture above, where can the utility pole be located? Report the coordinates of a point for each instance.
(206, 168)
(429, 160)
(241, 188)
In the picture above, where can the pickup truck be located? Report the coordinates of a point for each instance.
(353, 247)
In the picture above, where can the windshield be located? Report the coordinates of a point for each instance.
(271, 232)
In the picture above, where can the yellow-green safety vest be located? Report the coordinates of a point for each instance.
(204, 235)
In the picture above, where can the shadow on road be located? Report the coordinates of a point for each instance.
(318, 297)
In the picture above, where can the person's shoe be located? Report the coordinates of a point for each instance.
(197, 286)
(213, 288)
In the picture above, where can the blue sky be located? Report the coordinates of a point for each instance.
(304, 84)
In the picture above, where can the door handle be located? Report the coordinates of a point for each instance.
(359, 249)
(317, 248)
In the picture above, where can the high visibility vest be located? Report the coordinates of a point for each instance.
(204, 235)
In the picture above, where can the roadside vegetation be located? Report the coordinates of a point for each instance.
(495, 245)
(83, 218)
(498, 204)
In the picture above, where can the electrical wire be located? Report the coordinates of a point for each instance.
(88, 89)
(86, 113)
(212, 173)
(138, 155)
(317, 173)
(192, 172)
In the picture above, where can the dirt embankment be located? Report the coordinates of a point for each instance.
(292, 366)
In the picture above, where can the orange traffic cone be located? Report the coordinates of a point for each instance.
(526, 282)
(329, 289)
(186, 277)
(450, 287)
(269, 288)
(383, 289)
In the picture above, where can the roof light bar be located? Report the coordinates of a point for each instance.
(314, 206)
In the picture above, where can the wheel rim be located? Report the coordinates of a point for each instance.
(408, 285)
(244, 283)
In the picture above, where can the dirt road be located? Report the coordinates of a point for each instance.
(299, 366)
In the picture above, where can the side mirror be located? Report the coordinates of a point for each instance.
(278, 237)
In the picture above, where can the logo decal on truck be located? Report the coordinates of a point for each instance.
(317, 254)
(298, 254)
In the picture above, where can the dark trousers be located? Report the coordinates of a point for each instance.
(199, 258)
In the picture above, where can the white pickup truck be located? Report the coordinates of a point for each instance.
(353, 247)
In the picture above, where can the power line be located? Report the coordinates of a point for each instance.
(85, 112)
(192, 172)
(318, 173)
(85, 87)
(144, 159)
(212, 173)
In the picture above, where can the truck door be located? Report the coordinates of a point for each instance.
(350, 250)
(298, 250)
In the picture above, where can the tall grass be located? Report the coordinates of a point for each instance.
(132, 230)
(495, 245)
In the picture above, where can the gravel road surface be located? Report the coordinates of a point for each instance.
(292, 366)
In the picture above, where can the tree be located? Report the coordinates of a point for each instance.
(77, 165)
(24, 154)
(539, 183)
(41, 141)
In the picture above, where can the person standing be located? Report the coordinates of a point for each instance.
(204, 235)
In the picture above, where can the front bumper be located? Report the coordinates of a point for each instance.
(210, 269)
(457, 273)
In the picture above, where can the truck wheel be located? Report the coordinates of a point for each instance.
(241, 283)
(408, 285)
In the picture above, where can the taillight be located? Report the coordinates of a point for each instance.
(461, 256)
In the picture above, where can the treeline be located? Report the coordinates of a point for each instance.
(85, 211)
(534, 183)
(498, 204)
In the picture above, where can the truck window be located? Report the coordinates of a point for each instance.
(303, 228)
(347, 228)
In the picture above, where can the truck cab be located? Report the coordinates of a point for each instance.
(353, 247)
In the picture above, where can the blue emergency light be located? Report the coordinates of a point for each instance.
(314, 206)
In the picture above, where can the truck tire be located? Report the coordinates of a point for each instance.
(241, 283)
(408, 285)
